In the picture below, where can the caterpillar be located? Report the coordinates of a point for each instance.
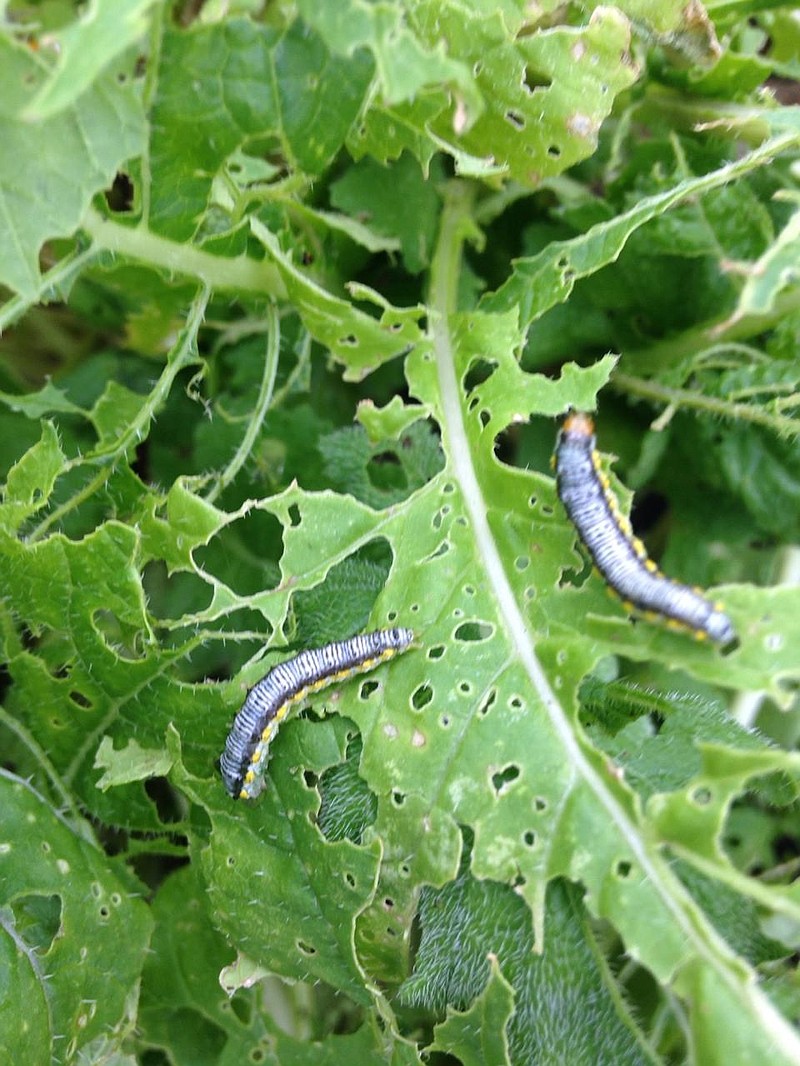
(617, 554)
(244, 759)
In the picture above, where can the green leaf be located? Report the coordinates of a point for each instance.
(133, 763)
(253, 82)
(548, 989)
(48, 400)
(396, 201)
(85, 49)
(77, 930)
(541, 281)
(182, 979)
(664, 759)
(51, 169)
(772, 272)
(307, 933)
(545, 95)
(298, 355)
(689, 31)
(359, 340)
(477, 1035)
(405, 64)
(31, 481)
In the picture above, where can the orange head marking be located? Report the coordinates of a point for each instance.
(579, 423)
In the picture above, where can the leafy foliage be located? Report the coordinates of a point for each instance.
(294, 294)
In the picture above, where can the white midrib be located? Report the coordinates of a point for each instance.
(709, 946)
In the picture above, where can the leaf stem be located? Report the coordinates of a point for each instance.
(59, 275)
(242, 272)
(181, 355)
(687, 398)
(256, 420)
(664, 354)
(582, 768)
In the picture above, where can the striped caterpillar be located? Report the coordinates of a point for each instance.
(244, 759)
(617, 554)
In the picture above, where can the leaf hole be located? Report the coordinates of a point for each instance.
(702, 796)
(488, 703)
(554, 151)
(474, 632)
(350, 340)
(350, 881)
(80, 700)
(37, 920)
(436, 652)
(503, 778)
(479, 372)
(516, 119)
(421, 697)
(522, 562)
(465, 688)
(120, 196)
(443, 549)
(540, 803)
(529, 838)
(485, 418)
(310, 779)
(439, 517)
(122, 639)
(306, 949)
(398, 797)
(534, 79)
(623, 869)
(444, 721)
(367, 688)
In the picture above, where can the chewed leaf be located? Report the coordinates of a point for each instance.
(299, 296)
(31, 481)
(80, 936)
(67, 154)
